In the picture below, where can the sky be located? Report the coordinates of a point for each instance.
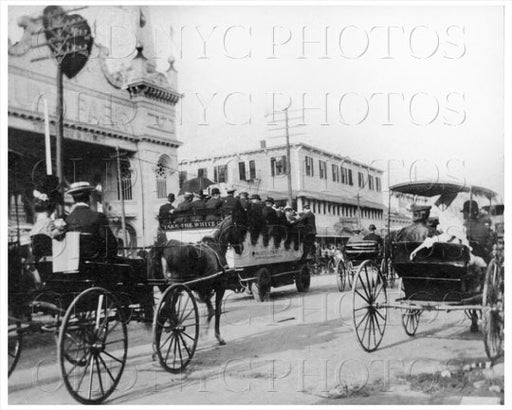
(420, 87)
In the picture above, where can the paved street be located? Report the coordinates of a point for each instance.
(293, 349)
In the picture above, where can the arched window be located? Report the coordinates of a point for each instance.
(162, 171)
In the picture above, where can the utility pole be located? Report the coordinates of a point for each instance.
(59, 130)
(121, 193)
(288, 160)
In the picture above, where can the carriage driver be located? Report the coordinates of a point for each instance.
(418, 231)
(98, 240)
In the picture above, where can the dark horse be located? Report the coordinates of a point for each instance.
(183, 262)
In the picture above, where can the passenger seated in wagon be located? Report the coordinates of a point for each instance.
(96, 238)
(418, 231)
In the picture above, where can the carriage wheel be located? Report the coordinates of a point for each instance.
(350, 273)
(369, 295)
(176, 328)
(341, 275)
(411, 320)
(261, 286)
(493, 312)
(93, 333)
(15, 343)
(303, 279)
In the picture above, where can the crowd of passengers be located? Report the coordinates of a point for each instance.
(269, 218)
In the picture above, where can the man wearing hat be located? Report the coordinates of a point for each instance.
(418, 231)
(478, 232)
(213, 205)
(198, 205)
(307, 229)
(244, 200)
(372, 236)
(164, 212)
(255, 218)
(184, 208)
(97, 240)
(270, 220)
(232, 206)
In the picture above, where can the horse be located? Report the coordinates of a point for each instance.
(182, 262)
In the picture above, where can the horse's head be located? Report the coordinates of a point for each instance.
(228, 233)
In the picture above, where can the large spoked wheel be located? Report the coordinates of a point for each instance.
(303, 279)
(176, 328)
(411, 320)
(341, 275)
(92, 346)
(493, 312)
(15, 343)
(369, 310)
(261, 286)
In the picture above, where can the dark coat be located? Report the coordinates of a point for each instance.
(270, 216)
(164, 210)
(100, 242)
(416, 232)
(255, 216)
(307, 223)
(232, 206)
(373, 237)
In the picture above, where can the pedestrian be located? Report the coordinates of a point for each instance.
(164, 213)
(270, 220)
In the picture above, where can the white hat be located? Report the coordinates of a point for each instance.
(79, 187)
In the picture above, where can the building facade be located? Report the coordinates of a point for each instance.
(127, 113)
(342, 192)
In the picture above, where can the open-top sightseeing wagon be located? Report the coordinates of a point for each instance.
(442, 277)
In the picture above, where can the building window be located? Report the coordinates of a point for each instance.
(310, 169)
(360, 179)
(335, 173)
(202, 172)
(182, 178)
(220, 173)
(278, 166)
(371, 185)
(377, 184)
(252, 169)
(322, 169)
(161, 171)
(241, 171)
(346, 176)
(126, 181)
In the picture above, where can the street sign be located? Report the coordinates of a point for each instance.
(69, 38)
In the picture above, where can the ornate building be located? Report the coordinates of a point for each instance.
(130, 107)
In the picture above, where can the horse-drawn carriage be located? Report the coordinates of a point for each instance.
(354, 254)
(445, 276)
(87, 301)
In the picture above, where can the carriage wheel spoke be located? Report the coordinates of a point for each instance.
(378, 325)
(90, 377)
(184, 345)
(76, 363)
(179, 350)
(363, 318)
(380, 314)
(186, 334)
(365, 327)
(374, 330)
(174, 355)
(112, 357)
(166, 340)
(169, 349)
(366, 290)
(106, 367)
(84, 372)
(377, 293)
(364, 297)
(182, 319)
(187, 316)
(99, 375)
(369, 328)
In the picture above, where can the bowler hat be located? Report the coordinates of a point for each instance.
(256, 196)
(215, 191)
(244, 193)
(372, 227)
(470, 205)
(270, 200)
